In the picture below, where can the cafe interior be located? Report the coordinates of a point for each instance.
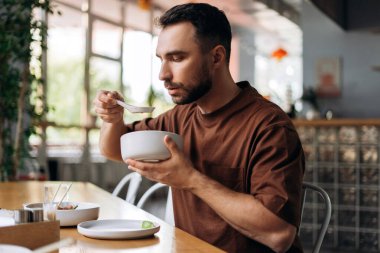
(318, 60)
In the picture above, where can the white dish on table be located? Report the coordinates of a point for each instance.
(147, 145)
(84, 212)
(6, 221)
(116, 229)
(8, 248)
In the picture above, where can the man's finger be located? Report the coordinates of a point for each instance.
(135, 164)
(132, 168)
(170, 144)
(130, 162)
(115, 95)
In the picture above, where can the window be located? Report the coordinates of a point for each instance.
(279, 81)
(118, 57)
(65, 76)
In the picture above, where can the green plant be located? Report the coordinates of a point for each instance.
(22, 40)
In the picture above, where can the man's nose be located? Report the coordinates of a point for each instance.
(165, 73)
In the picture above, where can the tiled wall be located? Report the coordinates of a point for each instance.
(344, 160)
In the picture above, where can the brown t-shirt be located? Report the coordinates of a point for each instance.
(250, 146)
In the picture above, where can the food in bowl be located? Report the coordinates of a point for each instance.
(67, 206)
(84, 211)
(148, 145)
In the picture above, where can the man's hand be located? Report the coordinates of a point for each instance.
(106, 107)
(113, 125)
(177, 171)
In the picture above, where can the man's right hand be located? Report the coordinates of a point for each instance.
(106, 107)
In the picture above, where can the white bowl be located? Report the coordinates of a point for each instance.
(84, 212)
(147, 145)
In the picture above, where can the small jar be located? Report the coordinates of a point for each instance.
(38, 215)
(23, 216)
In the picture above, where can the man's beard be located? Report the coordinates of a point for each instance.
(194, 93)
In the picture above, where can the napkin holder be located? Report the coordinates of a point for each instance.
(31, 235)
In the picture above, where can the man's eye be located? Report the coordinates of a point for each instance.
(177, 58)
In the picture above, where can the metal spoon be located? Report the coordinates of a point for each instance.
(135, 109)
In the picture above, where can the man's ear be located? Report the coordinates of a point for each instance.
(219, 55)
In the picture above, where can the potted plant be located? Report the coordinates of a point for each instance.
(22, 41)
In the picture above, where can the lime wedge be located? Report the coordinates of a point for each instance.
(147, 224)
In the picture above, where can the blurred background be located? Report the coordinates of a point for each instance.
(110, 45)
(319, 60)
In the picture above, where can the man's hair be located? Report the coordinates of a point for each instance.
(211, 25)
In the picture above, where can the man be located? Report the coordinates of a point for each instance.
(237, 182)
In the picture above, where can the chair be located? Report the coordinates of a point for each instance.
(168, 204)
(327, 216)
(169, 212)
(134, 179)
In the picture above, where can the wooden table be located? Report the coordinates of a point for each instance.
(168, 239)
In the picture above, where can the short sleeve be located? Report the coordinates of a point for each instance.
(277, 174)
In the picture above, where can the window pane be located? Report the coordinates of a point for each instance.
(106, 39)
(280, 81)
(137, 65)
(66, 47)
(59, 137)
(104, 75)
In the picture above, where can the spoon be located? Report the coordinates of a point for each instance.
(135, 109)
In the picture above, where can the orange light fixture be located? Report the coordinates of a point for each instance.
(144, 4)
(279, 53)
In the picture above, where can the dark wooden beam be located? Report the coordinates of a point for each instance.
(334, 9)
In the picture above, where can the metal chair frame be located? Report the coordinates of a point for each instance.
(134, 180)
(323, 229)
(169, 216)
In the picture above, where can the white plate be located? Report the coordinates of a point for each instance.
(84, 212)
(7, 248)
(116, 229)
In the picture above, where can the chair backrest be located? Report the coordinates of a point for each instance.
(167, 204)
(134, 179)
(169, 212)
(327, 215)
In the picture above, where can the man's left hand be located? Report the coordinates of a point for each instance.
(176, 171)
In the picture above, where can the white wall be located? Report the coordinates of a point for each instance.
(246, 55)
(359, 51)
